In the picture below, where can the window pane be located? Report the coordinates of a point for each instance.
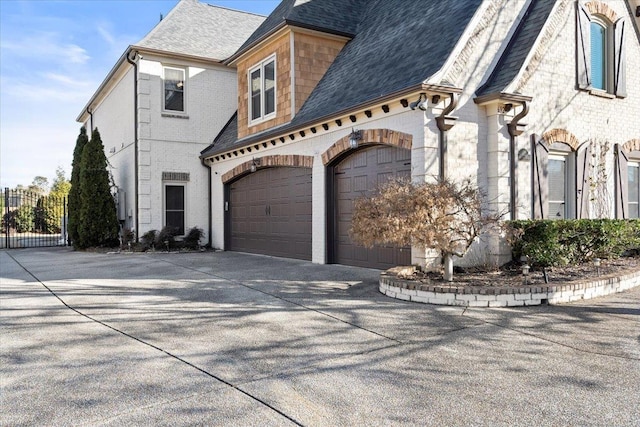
(269, 88)
(633, 173)
(256, 98)
(174, 207)
(176, 220)
(598, 59)
(557, 189)
(173, 89)
(175, 197)
(633, 183)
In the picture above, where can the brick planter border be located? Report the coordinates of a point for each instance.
(468, 296)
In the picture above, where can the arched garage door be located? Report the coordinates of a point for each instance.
(269, 212)
(356, 175)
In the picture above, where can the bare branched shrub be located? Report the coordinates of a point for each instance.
(444, 216)
(600, 196)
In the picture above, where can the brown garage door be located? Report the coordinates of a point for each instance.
(269, 213)
(358, 175)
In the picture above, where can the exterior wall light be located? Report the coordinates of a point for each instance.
(356, 135)
(254, 165)
(523, 155)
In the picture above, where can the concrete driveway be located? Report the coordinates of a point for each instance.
(235, 339)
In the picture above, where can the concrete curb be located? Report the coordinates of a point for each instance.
(472, 296)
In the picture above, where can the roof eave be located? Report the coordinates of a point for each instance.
(285, 23)
(112, 72)
(287, 128)
(501, 96)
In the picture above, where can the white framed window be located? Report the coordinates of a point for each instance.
(174, 206)
(173, 82)
(262, 90)
(633, 176)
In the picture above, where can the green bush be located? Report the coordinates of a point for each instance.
(148, 240)
(49, 212)
(560, 242)
(166, 238)
(192, 239)
(23, 219)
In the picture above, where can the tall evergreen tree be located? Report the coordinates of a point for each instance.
(98, 224)
(74, 192)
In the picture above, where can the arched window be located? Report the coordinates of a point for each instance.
(601, 64)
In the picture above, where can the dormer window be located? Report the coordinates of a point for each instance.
(174, 89)
(262, 90)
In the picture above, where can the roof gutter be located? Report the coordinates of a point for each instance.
(104, 83)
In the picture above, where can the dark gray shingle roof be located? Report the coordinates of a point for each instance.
(199, 29)
(518, 47)
(398, 44)
(333, 16)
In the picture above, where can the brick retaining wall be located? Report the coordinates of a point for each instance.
(468, 296)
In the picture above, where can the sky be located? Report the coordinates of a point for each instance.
(53, 57)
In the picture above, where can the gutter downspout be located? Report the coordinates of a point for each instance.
(90, 121)
(131, 59)
(209, 237)
(515, 129)
(445, 123)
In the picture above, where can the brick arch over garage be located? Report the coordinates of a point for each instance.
(561, 135)
(632, 145)
(369, 137)
(293, 160)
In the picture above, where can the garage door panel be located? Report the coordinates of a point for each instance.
(356, 176)
(270, 213)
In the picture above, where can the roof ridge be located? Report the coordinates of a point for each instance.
(162, 19)
(234, 10)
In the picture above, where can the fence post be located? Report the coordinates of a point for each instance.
(5, 216)
(65, 221)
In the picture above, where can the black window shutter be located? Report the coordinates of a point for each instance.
(619, 62)
(584, 46)
(540, 159)
(582, 181)
(621, 183)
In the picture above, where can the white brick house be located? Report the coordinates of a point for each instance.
(518, 95)
(159, 107)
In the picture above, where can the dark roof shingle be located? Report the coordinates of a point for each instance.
(398, 44)
(518, 47)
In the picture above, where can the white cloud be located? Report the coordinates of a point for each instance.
(45, 47)
(106, 35)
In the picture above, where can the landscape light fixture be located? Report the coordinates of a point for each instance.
(597, 263)
(525, 273)
(356, 135)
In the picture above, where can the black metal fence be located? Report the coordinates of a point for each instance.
(33, 220)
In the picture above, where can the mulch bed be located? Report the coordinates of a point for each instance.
(511, 275)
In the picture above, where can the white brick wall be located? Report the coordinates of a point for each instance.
(165, 143)
(558, 104)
